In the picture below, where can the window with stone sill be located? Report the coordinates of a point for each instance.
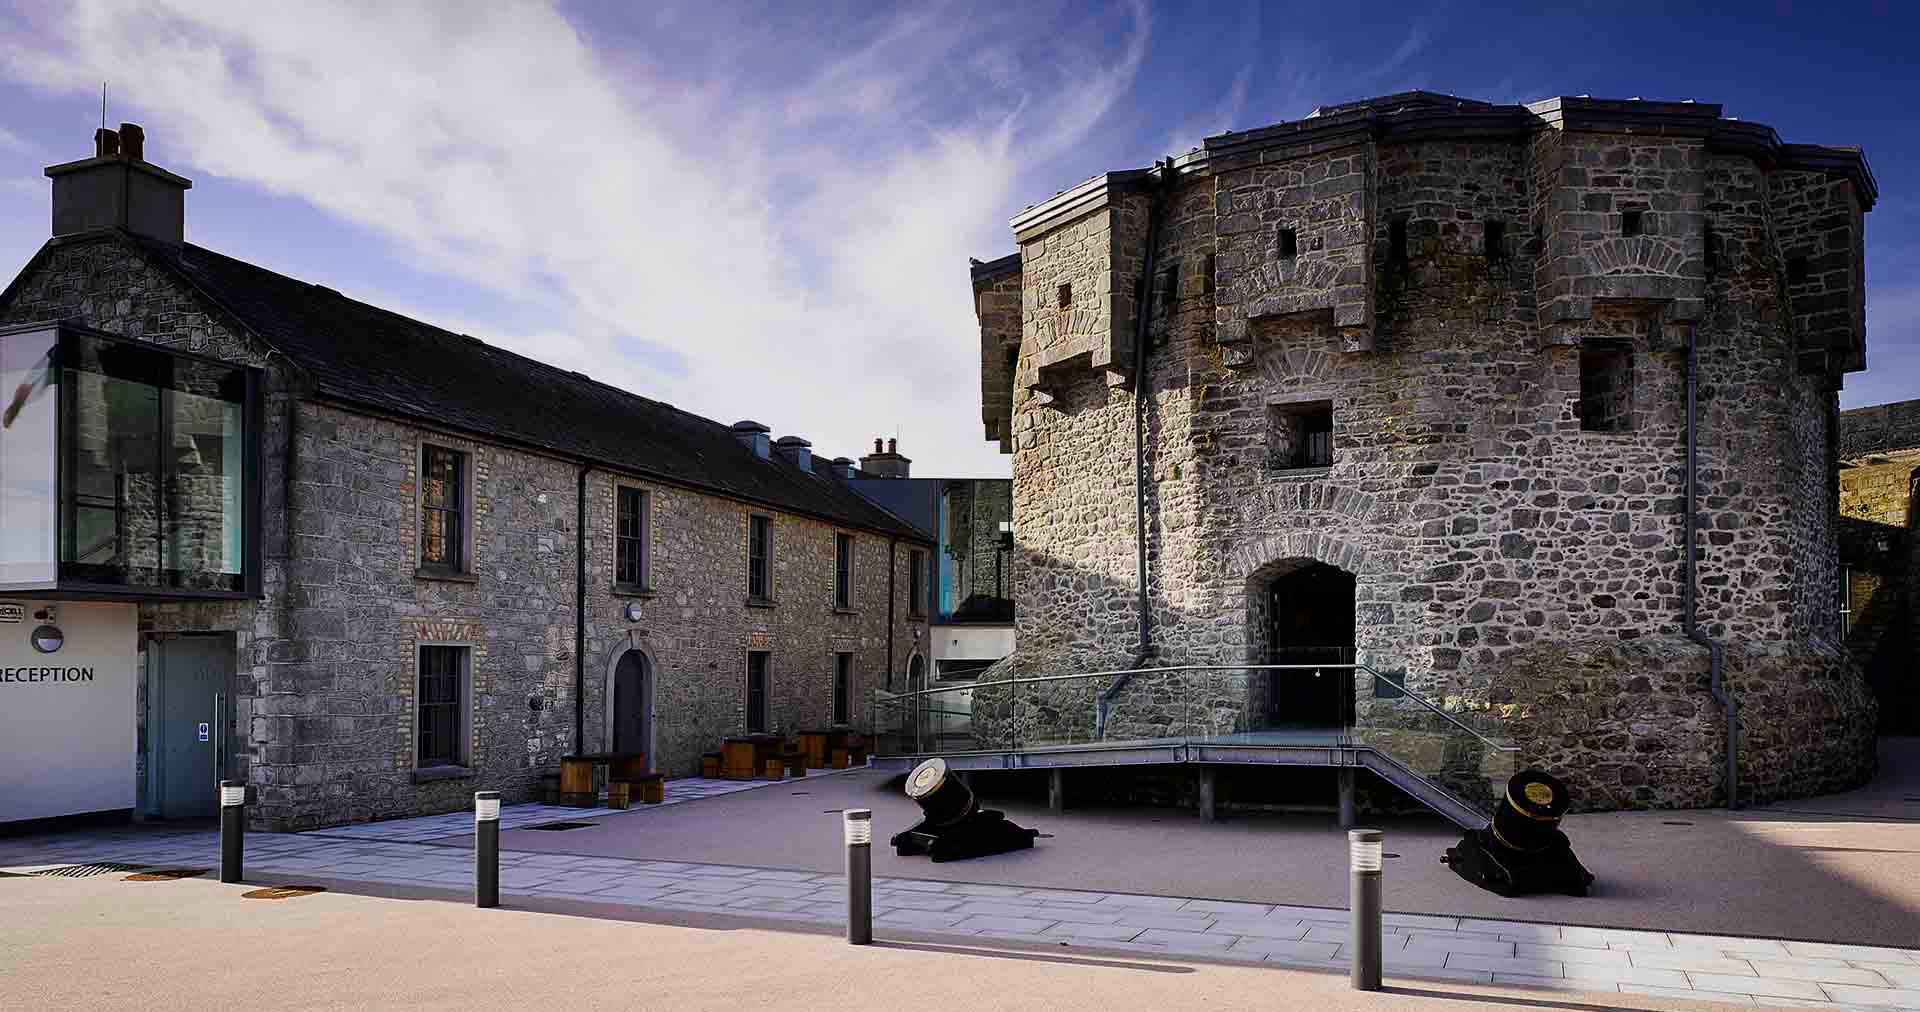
(759, 558)
(443, 510)
(440, 705)
(1300, 435)
(632, 555)
(843, 571)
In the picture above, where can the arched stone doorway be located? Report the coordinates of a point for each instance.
(1302, 613)
(630, 705)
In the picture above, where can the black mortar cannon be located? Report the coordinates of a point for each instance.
(1523, 850)
(954, 826)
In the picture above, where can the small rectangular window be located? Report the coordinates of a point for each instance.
(1606, 387)
(1397, 241)
(1300, 435)
(630, 539)
(760, 558)
(1496, 242)
(843, 570)
(757, 663)
(443, 509)
(1796, 270)
(439, 700)
(1065, 296)
(843, 688)
(1207, 283)
(1289, 244)
(916, 582)
(1632, 222)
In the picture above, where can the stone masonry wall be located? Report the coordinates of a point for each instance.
(326, 660)
(1510, 566)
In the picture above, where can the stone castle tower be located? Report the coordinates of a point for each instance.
(1406, 383)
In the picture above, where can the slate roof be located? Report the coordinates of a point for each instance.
(364, 355)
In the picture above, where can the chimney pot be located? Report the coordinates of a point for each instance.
(876, 444)
(133, 142)
(106, 143)
(893, 446)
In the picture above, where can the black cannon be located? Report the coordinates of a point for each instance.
(954, 826)
(1523, 850)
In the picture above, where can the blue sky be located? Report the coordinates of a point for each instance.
(766, 211)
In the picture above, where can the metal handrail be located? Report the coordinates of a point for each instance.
(1405, 692)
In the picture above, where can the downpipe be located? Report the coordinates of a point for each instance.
(1717, 683)
(1142, 321)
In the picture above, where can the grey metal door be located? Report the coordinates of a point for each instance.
(186, 727)
(632, 704)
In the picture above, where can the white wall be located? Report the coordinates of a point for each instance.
(971, 642)
(67, 742)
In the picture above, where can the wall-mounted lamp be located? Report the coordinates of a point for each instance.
(48, 638)
(632, 611)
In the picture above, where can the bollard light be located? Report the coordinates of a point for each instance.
(1363, 849)
(233, 830)
(857, 823)
(1363, 900)
(486, 848)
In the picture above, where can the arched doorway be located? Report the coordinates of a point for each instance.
(633, 705)
(1309, 612)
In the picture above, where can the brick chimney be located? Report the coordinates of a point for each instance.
(885, 463)
(118, 188)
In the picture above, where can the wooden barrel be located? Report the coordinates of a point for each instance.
(940, 794)
(618, 793)
(710, 765)
(576, 776)
(1528, 818)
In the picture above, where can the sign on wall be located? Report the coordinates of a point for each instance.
(67, 738)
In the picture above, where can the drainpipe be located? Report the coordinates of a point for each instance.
(891, 544)
(1687, 618)
(1142, 320)
(580, 617)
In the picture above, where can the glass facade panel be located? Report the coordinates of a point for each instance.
(153, 468)
(29, 461)
(975, 575)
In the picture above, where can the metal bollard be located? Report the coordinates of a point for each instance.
(1363, 914)
(233, 829)
(486, 849)
(857, 823)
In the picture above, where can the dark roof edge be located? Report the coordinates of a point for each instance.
(989, 270)
(1077, 201)
(115, 233)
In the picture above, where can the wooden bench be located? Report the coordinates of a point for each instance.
(745, 757)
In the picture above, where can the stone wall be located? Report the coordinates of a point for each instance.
(326, 660)
(1491, 535)
(1880, 463)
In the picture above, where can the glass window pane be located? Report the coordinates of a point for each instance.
(29, 461)
(155, 468)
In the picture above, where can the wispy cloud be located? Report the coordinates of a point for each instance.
(800, 261)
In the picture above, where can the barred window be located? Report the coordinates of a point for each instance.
(630, 562)
(441, 689)
(443, 508)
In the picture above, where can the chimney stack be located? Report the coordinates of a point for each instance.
(118, 188)
(797, 450)
(843, 467)
(885, 463)
(753, 436)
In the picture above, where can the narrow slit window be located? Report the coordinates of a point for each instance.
(1496, 242)
(1796, 270)
(1397, 241)
(843, 688)
(1289, 244)
(1207, 281)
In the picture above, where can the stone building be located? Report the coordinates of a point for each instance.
(1879, 558)
(370, 566)
(1412, 383)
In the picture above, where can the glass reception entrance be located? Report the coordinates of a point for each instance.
(126, 467)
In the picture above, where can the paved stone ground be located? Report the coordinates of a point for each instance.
(1567, 957)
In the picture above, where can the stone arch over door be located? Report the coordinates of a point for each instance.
(1263, 561)
(648, 685)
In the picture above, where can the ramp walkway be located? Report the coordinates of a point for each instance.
(1451, 759)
